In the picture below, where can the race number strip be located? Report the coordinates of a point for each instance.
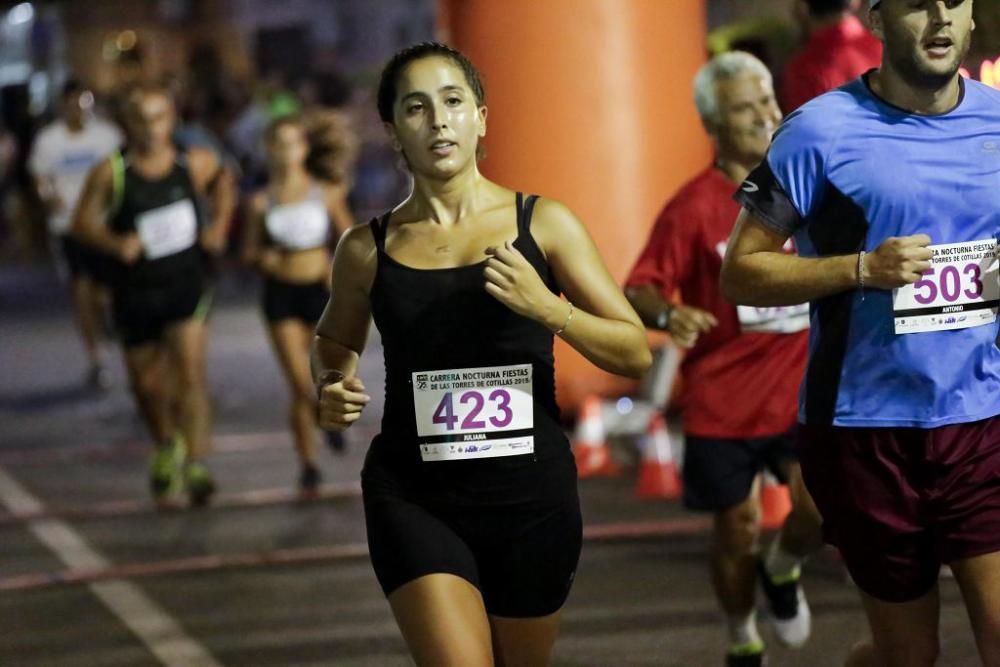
(960, 290)
(167, 230)
(457, 410)
(775, 319)
(454, 451)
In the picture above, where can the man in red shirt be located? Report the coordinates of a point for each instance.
(838, 49)
(742, 369)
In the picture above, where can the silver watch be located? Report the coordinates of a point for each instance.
(663, 319)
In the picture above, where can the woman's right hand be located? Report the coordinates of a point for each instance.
(341, 404)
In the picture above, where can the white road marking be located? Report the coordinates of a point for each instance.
(154, 627)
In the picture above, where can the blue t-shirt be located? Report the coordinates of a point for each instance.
(845, 172)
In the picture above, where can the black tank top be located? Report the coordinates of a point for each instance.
(140, 200)
(434, 320)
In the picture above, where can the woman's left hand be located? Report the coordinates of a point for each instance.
(513, 281)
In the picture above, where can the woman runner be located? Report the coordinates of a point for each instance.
(294, 222)
(470, 491)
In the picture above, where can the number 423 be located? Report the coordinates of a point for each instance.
(472, 403)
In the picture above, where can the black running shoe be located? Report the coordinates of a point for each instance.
(788, 610)
(309, 480)
(98, 378)
(336, 442)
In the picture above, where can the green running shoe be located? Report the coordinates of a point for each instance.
(165, 468)
(199, 482)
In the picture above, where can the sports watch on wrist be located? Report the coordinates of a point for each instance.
(663, 319)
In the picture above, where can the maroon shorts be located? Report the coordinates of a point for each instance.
(898, 502)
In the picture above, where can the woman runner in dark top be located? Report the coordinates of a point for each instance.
(470, 489)
(143, 209)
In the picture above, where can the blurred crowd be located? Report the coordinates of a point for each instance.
(228, 116)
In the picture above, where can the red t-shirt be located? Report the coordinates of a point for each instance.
(832, 57)
(737, 384)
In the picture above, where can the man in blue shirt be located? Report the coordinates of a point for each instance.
(891, 187)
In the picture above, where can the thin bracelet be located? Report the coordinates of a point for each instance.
(861, 273)
(566, 323)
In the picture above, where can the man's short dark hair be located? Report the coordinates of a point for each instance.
(72, 87)
(823, 8)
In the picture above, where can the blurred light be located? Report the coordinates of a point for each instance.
(989, 73)
(21, 13)
(126, 40)
(108, 50)
(624, 405)
(14, 73)
(87, 100)
(38, 92)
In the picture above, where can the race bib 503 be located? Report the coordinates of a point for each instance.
(960, 290)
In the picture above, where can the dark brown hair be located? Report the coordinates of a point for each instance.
(388, 86)
(333, 145)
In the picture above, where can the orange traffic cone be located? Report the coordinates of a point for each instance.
(775, 503)
(658, 476)
(590, 445)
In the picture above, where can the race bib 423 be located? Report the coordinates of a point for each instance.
(466, 413)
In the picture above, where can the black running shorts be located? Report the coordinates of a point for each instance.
(284, 301)
(522, 557)
(718, 473)
(142, 314)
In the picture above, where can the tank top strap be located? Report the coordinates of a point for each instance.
(525, 209)
(378, 226)
(526, 213)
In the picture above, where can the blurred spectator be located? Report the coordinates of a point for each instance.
(271, 100)
(22, 210)
(838, 48)
(8, 154)
(61, 157)
(129, 72)
(192, 127)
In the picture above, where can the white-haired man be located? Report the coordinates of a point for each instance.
(743, 368)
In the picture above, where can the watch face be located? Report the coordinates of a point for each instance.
(663, 319)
